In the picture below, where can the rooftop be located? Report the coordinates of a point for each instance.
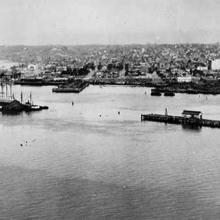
(189, 112)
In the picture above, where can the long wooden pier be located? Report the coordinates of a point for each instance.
(170, 119)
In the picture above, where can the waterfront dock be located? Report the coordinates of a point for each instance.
(193, 118)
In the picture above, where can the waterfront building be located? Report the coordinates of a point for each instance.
(215, 65)
(182, 79)
(192, 114)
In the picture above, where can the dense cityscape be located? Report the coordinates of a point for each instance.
(127, 64)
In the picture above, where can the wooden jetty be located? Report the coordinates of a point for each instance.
(188, 117)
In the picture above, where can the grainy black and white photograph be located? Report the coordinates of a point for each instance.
(109, 109)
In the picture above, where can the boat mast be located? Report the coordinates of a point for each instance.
(11, 96)
(21, 97)
(6, 88)
(31, 101)
(2, 89)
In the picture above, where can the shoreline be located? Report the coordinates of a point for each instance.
(207, 88)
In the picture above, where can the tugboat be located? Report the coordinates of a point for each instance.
(155, 92)
(29, 106)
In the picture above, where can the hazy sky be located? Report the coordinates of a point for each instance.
(108, 21)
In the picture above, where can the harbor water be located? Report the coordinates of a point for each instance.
(90, 157)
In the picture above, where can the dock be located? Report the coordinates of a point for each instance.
(193, 118)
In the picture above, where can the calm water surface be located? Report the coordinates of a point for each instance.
(86, 161)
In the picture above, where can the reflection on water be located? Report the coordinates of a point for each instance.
(69, 163)
(44, 196)
(12, 113)
(191, 127)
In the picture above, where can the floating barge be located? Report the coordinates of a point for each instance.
(157, 92)
(193, 118)
(74, 87)
(68, 90)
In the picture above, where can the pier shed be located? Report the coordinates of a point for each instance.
(192, 114)
(14, 105)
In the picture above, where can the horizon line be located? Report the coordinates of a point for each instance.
(110, 44)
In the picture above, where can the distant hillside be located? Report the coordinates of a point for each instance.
(33, 54)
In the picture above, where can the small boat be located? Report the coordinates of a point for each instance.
(44, 107)
(168, 93)
(66, 90)
(30, 108)
(155, 92)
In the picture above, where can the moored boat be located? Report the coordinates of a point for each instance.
(32, 81)
(169, 93)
